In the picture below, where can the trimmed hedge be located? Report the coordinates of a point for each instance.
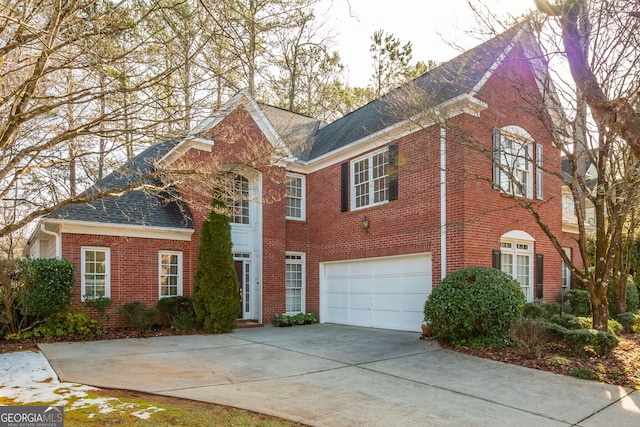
(475, 307)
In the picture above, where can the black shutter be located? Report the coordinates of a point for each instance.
(393, 172)
(496, 261)
(539, 274)
(344, 187)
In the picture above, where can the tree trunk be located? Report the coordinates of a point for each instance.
(600, 307)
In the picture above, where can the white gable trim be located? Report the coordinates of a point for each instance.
(242, 98)
(123, 230)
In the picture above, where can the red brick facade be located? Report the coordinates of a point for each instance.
(477, 214)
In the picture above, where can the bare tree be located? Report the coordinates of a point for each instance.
(616, 29)
(62, 92)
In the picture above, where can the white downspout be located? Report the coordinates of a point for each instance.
(43, 228)
(443, 202)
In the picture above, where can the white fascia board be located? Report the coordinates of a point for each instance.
(188, 143)
(240, 98)
(495, 64)
(122, 230)
(456, 106)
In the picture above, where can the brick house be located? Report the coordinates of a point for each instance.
(364, 215)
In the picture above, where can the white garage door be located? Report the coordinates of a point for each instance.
(384, 292)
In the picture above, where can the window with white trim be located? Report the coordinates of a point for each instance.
(95, 272)
(294, 282)
(295, 201)
(169, 273)
(238, 199)
(369, 178)
(513, 163)
(516, 259)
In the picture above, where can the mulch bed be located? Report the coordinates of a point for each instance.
(622, 367)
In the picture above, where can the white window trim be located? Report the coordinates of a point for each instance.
(107, 277)
(302, 261)
(352, 187)
(515, 252)
(233, 176)
(180, 273)
(303, 196)
(518, 135)
(539, 172)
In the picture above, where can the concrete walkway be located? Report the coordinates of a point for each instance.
(329, 375)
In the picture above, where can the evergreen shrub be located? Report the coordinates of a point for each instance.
(177, 311)
(215, 295)
(475, 307)
(577, 302)
(138, 315)
(630, 321)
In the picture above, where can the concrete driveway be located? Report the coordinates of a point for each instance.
(330, 375)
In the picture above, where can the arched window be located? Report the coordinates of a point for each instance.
(516, 259)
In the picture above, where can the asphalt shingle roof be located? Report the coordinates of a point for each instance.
(443, 83)
(135, 207)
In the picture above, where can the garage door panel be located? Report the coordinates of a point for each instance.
(360, 285)
(379, 292)
(391, 302)
(385, 285)
(360, 301)
(339, 315)
(337, 300)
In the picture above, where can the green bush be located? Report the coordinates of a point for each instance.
(78, 325)
(584, 373)
(534, 310)
(615, 327)
(570, 321)
(475, 307)
(632, 297)
(138, 315)
(176, 309)
(541, 310)
(587, 342)
(551, 309)
(184, 321)
(48, 283)
(577, 302)
(294, 319)
(100, 306)
(629, 321)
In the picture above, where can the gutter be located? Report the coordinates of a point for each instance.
(43, 228)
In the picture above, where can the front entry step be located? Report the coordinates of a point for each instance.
(248, 323)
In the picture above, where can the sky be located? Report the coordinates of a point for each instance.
(432, 26)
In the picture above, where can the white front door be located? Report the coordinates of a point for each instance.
(242, 263)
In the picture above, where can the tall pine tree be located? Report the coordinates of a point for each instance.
(215, 295)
